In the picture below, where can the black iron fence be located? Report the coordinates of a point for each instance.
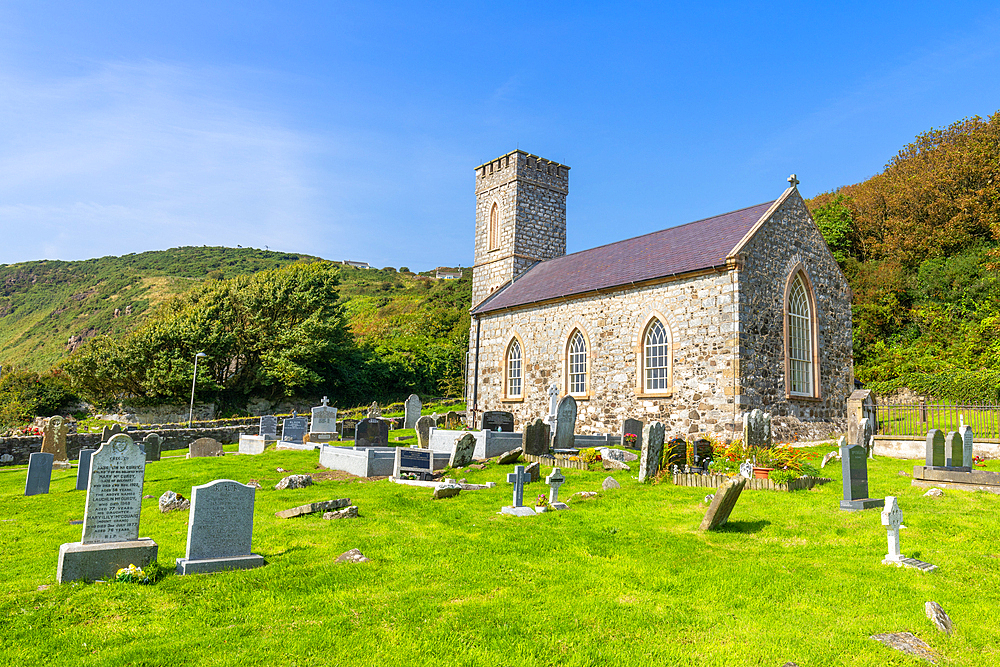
(916, 419)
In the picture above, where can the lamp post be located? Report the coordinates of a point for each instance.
(193, 381)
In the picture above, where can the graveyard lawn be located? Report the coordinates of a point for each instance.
(624, 578)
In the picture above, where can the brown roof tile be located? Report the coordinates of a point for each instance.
(697, 245)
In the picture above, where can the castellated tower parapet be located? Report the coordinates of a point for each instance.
(520, 218)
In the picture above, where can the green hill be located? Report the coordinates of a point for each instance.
(920, 244)
(48, 307)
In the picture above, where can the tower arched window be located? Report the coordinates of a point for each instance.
(799, 341)
(515, 370)
(494, 231)
(656, 358)
(577, 363)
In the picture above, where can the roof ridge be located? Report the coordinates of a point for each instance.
(658, 231)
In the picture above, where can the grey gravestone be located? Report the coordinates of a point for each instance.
(268, 428)
(518, 478)
(854, 464)
(534, 469)
(109, 431)
(423, 429)
(220, 529)
(652, 450)
(411, 411)
(934, 448)
(723, 502)
(111, 516)
(293, 429)
(39, 473)
(323, 423)
(83, 469)
(535, 439)
(462, 453)
(371, 432)
(205, 447)
(152, 445)
(967, 442)
(953, 446)
(413, 460)
(550, 419)
(498, 420)
(866, 431)
(632, 433)
(757, 429)
(348, 429)
(565, 423)
(453, 420)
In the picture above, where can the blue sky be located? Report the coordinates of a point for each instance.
(350, 130)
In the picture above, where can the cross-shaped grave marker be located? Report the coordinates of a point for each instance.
(325, 402)
(892, 518)
(554, 480)
(518, 478)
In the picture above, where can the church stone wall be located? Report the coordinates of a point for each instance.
(789, 239)
(700, 313)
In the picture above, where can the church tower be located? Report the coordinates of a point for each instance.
(520, 218)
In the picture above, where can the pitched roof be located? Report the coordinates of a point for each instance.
(697, 245)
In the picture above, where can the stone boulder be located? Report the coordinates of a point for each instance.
(294, 482)
(171, 501)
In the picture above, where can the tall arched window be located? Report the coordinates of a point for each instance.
(800, 338)
(656, 357)
(494, 235)
(514, 370)
(577, 363)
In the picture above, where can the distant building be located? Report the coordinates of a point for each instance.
(691, 326)
(442, 273)
(357, 265)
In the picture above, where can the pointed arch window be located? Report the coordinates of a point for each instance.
(577, 363)
(656, 358)
(515, 370)
(799, 348)
(494, 231)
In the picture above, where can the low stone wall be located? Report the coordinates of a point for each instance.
(15, 450)
(914, 447)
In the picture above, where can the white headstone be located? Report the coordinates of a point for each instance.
(324, 419)
(554, 480)
(411, 411)
(114, 492)
(892, 518)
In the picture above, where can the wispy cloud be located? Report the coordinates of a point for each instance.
(131, 157)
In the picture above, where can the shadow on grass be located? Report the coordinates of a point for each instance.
(743, 526)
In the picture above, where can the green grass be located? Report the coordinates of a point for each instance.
(621, 579)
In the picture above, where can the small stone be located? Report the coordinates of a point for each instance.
(709, 498)
(903, 473)
(280, 470)
(346, 513)
(148, 497)
(612, 464)
(938, 617)
(584, 494)
(254, 483)
(907, 643)
(171, 501)
(828, 457)
(446, 489)
(294, 482)
(313, 508)
(510, 457)
(463, 481)
(477, 466)
(790, 664)
(352, 556)
(43, 587)
(535, 470)
(934, 493)
(610, 483)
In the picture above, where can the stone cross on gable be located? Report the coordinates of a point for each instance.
(892, 518)
(793, 181)
(554, 480)
(325, 402)
(518, 478)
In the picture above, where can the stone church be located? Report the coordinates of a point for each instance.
(692, 325)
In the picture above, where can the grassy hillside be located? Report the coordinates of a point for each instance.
(43, 304)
